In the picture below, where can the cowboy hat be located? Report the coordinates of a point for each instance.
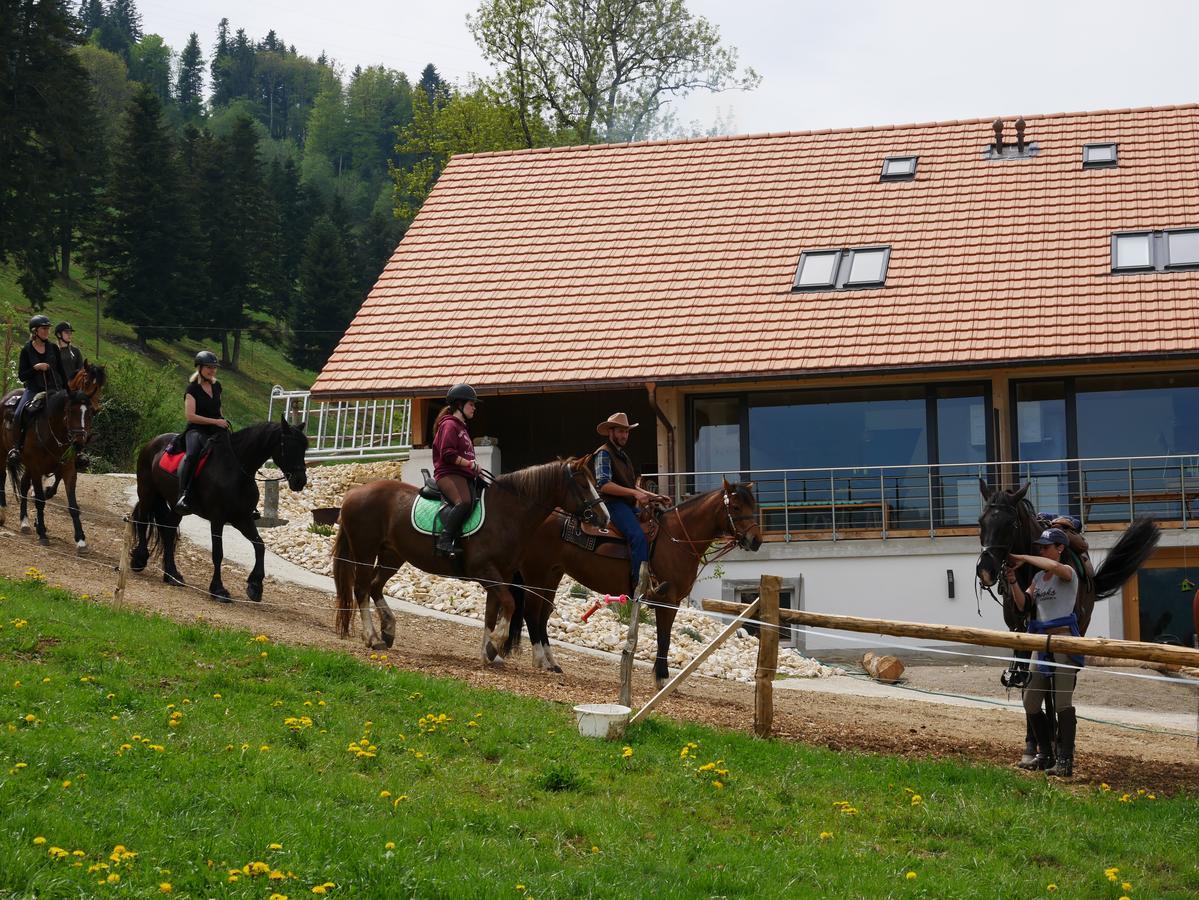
(616, 420)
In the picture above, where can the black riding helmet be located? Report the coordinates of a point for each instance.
(38, 322)
(206, 358)
(61, 327)
(461, 393)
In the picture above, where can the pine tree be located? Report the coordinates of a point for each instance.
(121, 28)
(91, 16)
(436, 90)
(189, 84)
(219, 66)
(145, 253)
(326, 300)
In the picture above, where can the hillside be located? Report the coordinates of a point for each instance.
(246, 391)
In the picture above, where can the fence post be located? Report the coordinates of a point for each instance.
(630, 646)
(768, 654)
(118, 596)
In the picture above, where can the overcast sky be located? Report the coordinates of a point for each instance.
(823, 65)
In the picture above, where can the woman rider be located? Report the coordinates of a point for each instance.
(1052, 595)
(454, 465)
(202, 407)
(40, 370)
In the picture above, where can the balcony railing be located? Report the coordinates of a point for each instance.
(892, 501)
(348, 430)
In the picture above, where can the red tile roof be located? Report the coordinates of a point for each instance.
(666, 261)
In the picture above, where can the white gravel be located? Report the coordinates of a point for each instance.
(735, 660)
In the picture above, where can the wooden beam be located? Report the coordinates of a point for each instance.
(768, 654)
(1055, 643)
(630, 647)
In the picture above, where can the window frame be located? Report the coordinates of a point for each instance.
(831, 285)
(899, 176)
(1112, 163)
(1120, 270)
(1166, 261)
(848, 265)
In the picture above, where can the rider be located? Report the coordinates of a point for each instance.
(454, 465)
(1050, 601)
(69, 356)
(202, 407)
(616, 479)
(39, 370)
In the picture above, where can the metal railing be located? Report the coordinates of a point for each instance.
(875, 501)
(348, 430)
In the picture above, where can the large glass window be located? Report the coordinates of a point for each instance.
(1041, 435)
(715, 439)
(961, 451)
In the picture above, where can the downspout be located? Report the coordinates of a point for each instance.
(651, 389)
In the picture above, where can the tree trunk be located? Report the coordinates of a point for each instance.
(224, 348)
(888, 669)
(236, 350)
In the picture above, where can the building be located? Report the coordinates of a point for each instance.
(863, 322)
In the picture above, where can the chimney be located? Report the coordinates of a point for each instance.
(998, 126)
(1020, 135)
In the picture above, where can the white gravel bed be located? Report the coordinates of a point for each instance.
(735, 660)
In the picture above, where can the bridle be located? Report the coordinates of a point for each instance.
(278, 460)
(76, 436)
(587, 505)
(1000, 552)
(736, 537)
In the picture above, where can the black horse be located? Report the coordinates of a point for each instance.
(225, 492)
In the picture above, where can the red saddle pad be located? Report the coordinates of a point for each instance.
(169, 462)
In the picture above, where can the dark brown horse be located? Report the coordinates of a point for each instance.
(376, 537)
(685, 533)
(55, 436)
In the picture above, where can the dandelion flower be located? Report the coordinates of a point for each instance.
(390, 845)
(320, 889)
(1125, 886)
(595, 849)
(274, 846)
(165, 888)
(67, 783)
(39, 840)
(1050, 888)
(216, 696)
(264, 748)
(113, 878)
(384, 793)
(917, 799)
(911, 876)
(826, 835)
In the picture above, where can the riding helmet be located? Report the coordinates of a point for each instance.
(61, 327)
(38, 321)
(461, 393)
(206, 358)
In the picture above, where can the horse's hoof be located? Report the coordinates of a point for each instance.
(378, 645)
(43, 540)
(254, 591)
(557, 670)
(490, 652)
(176, 580)
(25, 527)
(81, 548)
(389, 639)
(221, 596)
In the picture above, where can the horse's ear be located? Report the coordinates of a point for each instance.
(749, 486)
(283, 421)
(986, 489)
(1019, 495)
(726, 484)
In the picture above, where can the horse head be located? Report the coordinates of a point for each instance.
(90, 380)
(581, 478)
(1005, 520)
(289, 455)
(740, 505)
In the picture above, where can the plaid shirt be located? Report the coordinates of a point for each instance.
(603, 468)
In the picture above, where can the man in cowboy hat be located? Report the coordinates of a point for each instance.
(616, 479)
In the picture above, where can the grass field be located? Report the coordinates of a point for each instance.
(141, 756)
(246, 391)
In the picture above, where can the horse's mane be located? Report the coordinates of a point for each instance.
(534, 481)
(739, 490)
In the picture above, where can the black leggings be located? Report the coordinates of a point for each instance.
(193, 442)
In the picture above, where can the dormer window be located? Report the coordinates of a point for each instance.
(899, 168)
(834, 270)
(1099, 156)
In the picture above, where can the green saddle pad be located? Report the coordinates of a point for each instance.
(426, 521)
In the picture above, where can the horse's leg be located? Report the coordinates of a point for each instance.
(258, 573)
(498, 618)
(53, 489)
(141, 528)
(543, 630)
(39, 506)
(73, 509)
(23, 493)
(3, 485)
(215, 587)
(167, 521)
(389, 563)
(665, 621)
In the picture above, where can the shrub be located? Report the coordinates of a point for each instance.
(140, 402)
(318, 528)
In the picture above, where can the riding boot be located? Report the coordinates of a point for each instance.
(1067, 728)
(452, 521)
(1043, 729)
(14, 455)
(1030, 744)
(185, 482)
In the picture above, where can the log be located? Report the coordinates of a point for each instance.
(768, 654)
(887, 669)
(985, 637)
(630, 647)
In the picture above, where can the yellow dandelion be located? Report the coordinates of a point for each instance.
(626, 753)
(384, 793)
(39, 840)
(274, 846)
(320, 889)
(67, 783)
(262, 655)
(264, 748)
(400, 799)
(165, 888)
(390, 845)
(276, 875)
(595, 849)
(113, 878)
(911, 876)
(1125, 886)
(216, 696)
(233, 878)
(826, 835)
(917, 799)
(278, 897)
(1050, 888)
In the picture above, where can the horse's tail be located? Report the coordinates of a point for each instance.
(143, 517)
(516, 588)
(344, 570)
(1129, 554)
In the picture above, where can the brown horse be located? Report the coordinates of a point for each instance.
(685, 533)
(376, 537)
(52, 441)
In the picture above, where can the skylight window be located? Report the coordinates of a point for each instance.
(1099, 156)
(899, 168)
(830, 270)
(1182, 248)
(1132, 252)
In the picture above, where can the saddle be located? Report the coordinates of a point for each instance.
(171, 458)
(609, 542)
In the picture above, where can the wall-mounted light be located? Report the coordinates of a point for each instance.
(949, 577)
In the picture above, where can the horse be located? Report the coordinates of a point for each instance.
(376, 537)
(53, 440)
(90, 380)
(1009, 525)
(685, 533)
(223, 493)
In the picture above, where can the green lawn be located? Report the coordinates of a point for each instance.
(246, 391)
(209, 756)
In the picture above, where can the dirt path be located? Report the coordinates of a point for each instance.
(1126, 759)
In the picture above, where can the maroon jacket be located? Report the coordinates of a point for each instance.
(451, 444)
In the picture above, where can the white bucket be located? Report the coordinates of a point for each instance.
(602, 720)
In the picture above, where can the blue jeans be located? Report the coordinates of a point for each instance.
(625, 518)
